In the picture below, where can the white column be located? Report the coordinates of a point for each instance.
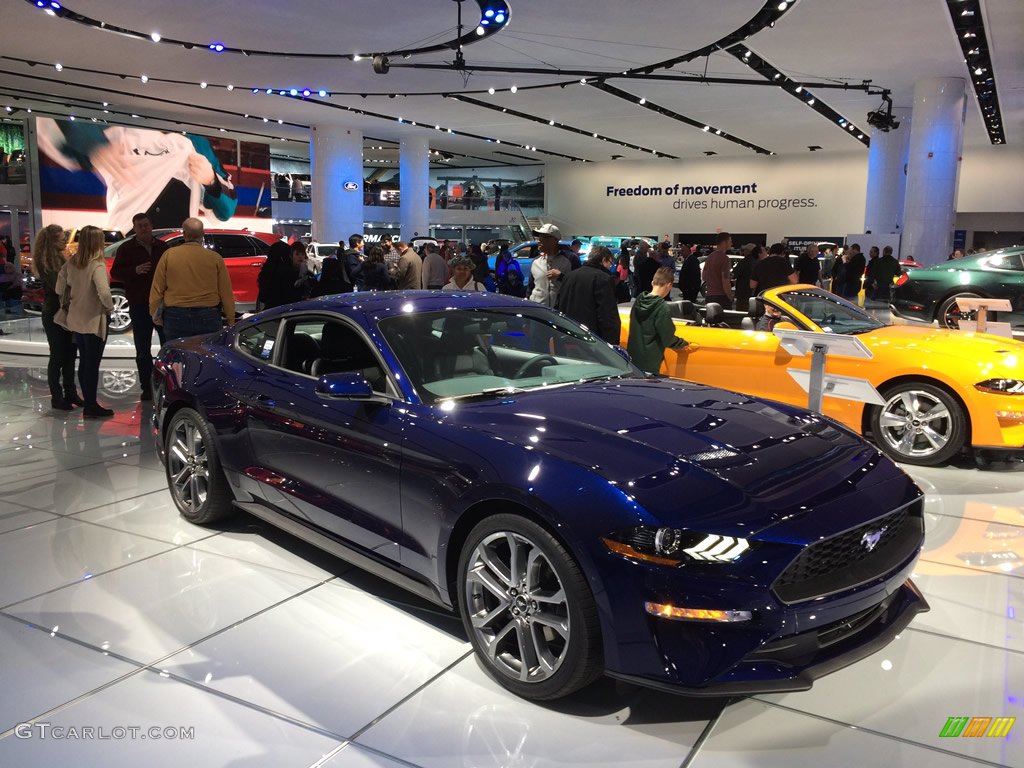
(887, 177)
(414, 186)
(336, 164)
(933, 169)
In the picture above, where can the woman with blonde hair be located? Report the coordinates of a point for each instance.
(48, 257)
(87, 314)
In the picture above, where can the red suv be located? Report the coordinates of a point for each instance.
(243, 252)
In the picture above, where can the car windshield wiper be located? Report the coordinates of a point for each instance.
(861, 329)
(486, 394)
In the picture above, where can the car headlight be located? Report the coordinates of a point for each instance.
(672, 546)
(1001, 386)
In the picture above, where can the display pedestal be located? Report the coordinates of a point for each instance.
(816, 382)
(981, 307)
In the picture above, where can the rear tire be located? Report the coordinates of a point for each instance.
(948, 314)
(528, 610)
(920, 423)
(194, 475)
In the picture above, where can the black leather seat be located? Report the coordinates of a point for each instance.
(747, 324)
(300, 353)
(342, 350)
(714, 316)
(683, 310)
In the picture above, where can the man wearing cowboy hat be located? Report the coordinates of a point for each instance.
(549, 267)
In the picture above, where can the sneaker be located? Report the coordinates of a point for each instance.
(97, 412)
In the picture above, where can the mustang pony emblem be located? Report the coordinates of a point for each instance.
(870, 540)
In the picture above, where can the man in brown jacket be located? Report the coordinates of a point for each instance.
(407, 275)
(191, 288)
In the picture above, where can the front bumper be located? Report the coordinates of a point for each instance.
(812, 609)
(793, 663)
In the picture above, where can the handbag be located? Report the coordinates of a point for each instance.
(61, 315)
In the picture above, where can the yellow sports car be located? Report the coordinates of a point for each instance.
(943, 390)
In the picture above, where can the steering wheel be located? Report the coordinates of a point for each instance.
(528, 365)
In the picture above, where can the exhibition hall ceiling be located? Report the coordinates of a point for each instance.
(891, 44)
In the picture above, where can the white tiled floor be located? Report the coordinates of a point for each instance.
(116, 613)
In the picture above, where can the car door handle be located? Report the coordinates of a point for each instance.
(259, 401)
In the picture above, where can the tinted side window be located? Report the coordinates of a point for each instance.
(260, 247)
(231, 246)
(258, 341)
(1006, 261)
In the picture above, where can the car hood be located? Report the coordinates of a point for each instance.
(689, 455)
(962, 346)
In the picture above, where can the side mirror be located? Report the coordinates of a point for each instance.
(344, 386)
(785, 325)
(621, 352)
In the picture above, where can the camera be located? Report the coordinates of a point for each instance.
(882, 118)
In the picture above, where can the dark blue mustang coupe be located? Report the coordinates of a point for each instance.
(499, 459)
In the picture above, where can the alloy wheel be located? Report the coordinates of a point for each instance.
(120, 320)
(187, 466)
(517, 607)
(916, 424)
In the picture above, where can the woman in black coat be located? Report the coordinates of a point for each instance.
(279, 281)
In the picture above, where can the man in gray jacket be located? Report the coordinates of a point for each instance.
(435, 271)
(549, 268)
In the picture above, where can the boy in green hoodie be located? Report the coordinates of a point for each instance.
(651, 329)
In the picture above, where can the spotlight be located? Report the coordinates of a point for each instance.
(381, 64)
(155, 37)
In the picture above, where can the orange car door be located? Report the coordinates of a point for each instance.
(752, 362)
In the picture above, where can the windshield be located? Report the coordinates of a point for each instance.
(463, 353)
(829, 312)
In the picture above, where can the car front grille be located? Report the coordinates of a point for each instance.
(849, 559)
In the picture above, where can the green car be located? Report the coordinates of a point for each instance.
(930, 293)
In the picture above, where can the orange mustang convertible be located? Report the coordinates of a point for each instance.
(943, 390)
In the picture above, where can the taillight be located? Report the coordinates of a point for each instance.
(902, 279)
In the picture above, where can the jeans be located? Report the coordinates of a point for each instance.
(90, 351)
(180, 322)
(142, 333)
(61, 366)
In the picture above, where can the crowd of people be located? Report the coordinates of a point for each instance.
(186, 290)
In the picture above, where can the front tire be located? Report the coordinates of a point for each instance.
(528, 610)
(194, 475)
(920, 423)
(948, 314)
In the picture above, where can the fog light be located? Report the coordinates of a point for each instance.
(695, 614)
